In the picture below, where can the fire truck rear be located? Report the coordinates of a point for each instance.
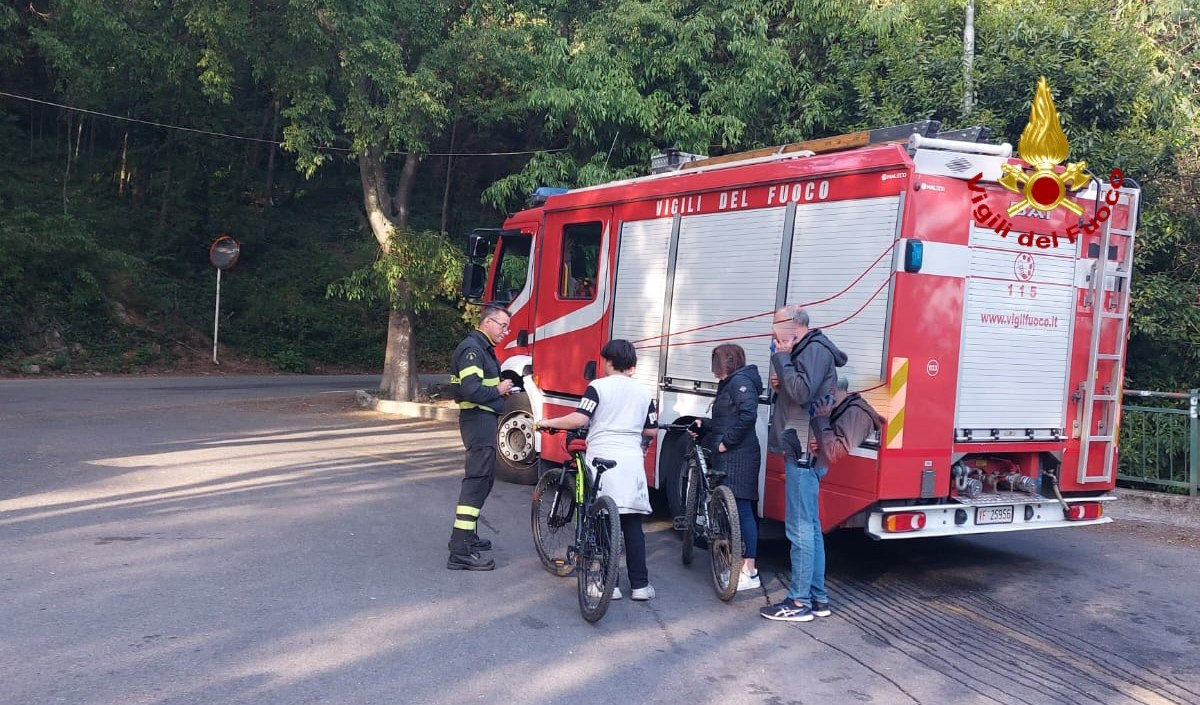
(993, 344)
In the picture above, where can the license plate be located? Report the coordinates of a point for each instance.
(994, 515)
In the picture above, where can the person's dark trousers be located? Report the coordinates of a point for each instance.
(478, 430)
(748, 519)
(635, 550)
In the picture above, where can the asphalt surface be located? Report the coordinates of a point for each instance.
(260, 540)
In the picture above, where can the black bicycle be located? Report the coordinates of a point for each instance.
(710, 513)
(576, 529)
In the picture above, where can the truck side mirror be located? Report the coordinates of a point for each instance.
(479, 245)
(474, 279)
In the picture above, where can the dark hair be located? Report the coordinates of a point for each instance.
(727, 358)
(620, 353)
(491, 311)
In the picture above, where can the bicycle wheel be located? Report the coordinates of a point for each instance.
(725, 545)
(598, 558)
(552, 517)
(691, 507)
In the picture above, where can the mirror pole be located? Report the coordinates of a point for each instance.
(217, 319)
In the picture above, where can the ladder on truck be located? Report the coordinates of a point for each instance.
(1102, 394)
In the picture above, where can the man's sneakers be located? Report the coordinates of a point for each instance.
(643, 593)
(821, 609)
(746, 581)
(469, 561)
(788, 611)
(617, 592)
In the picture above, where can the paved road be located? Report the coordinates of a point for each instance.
(257, 540)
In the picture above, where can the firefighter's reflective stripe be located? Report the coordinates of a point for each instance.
(477, 371)
(466, 517)
(488, 382)
(473, 405)
(899, 395)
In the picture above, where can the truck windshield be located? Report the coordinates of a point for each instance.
(511, 266)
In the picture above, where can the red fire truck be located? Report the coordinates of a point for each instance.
(992, 344)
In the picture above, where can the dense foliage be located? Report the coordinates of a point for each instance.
(104, 222)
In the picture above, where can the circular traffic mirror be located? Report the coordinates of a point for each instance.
(224, 252)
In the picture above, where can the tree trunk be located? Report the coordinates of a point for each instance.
(446, 187)
(387, 214)
(123, 171)
(969, 60)
(67, 170)
(163, 208)
(271, 150)
(404, 187)
(376, 200)
(399, 379)
(251, 163)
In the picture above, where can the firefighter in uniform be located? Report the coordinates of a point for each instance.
(480, 395)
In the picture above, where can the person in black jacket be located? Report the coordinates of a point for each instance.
(480, 394)
(732, 438)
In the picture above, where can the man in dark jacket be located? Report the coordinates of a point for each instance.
(480, 394)
(842, 424)
(803, 372)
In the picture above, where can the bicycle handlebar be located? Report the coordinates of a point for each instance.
(571, 434)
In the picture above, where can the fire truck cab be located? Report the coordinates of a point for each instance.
(992, 344)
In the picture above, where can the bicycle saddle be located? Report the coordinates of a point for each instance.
(602, 464)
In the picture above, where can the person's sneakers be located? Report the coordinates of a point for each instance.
(643, 593)
(616, 592)
(787, 611)
(747, 581)
(479, 544)
(469, 561)
(821, 609)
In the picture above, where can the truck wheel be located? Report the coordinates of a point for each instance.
(672, 470)
(516, 459)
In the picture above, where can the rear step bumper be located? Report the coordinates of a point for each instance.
(943, 519)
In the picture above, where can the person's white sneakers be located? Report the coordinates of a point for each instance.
(748, 582)
(643, 593)
(594, 592)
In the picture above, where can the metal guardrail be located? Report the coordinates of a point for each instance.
(1160, 441)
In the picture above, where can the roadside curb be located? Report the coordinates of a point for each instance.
(410, 409)
(1155, 507)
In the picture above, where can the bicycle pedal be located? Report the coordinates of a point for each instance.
(679, 523)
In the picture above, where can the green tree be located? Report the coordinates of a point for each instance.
(381, 81)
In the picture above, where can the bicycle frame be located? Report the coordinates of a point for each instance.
(708, 482)
(585, 494)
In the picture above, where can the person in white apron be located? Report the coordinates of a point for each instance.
(619, 413)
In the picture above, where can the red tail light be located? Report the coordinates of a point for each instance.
(1085, 511)
(901, 522)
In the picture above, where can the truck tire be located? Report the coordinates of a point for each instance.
(672, 470)
(516, 459)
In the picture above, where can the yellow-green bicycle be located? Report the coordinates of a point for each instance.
(576, 529)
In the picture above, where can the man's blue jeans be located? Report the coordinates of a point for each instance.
(804, 531)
